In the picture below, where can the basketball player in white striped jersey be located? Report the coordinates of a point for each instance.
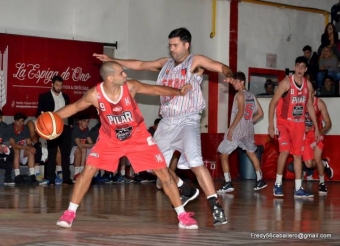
(180, 127)
(246, 111)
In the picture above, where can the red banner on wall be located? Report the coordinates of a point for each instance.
(27, 65)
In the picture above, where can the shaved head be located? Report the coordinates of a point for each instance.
(108, 68)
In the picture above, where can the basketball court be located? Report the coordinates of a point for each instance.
(139, 214)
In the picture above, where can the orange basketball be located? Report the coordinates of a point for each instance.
(49, 125)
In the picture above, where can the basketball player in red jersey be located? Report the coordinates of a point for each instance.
(294, 94)
(313, 150)
(122, 133)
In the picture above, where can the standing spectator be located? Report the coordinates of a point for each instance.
(330, 39)
(24, 152)
(313, 63)
(335, 16)
(269, 86)
(54, 100)
(329, 62)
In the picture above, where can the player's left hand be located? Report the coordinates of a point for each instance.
(317, 135)
(185, 89)
(230, 135)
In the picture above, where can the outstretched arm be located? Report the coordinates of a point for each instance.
(212, 65)
(155, 65)
(137, 87)
(89, 98)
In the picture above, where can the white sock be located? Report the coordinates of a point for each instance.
(322, 179)
(259, 175)
(76, 170)
(214, 195)
(32, 170)
(17, 172)
(81, 168)
(227, 177)
(37, 169)
(278, 179)
(179, 210)
(122, 172)
(58, 169)
(298, 184)
(180, 182)
(73, 207)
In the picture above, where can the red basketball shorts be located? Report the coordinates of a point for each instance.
(140, 149)
(291, 136)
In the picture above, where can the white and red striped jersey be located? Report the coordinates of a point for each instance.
(245, 127)
(176, 77)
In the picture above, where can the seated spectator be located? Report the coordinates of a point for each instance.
(269, 86)
(6, 154)
(38, 154)
(330, 39)
(24, 152)
(328, 89)
(328, 61)
(81, 142)
(152, 129)
(313, 63)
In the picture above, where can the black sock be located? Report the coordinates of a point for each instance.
(214, 202)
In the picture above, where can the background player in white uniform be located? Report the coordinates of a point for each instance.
(246, 111)
(180, 127)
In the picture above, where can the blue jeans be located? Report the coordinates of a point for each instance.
(321, 77)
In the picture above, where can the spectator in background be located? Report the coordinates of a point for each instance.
(54, 100)
(38, 154)
(24, 152)
(328, 61)
(313, 63)
(269, 86)
(330, 39)
(81, 144)
(152, 129)
(335, 16)
(6, 154)
(328, 88)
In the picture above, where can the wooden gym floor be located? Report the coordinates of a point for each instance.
(139, 214)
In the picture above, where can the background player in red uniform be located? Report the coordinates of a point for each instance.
(122, 133)
(313, 150)
(293, 97)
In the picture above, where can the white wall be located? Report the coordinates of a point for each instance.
(141, 28)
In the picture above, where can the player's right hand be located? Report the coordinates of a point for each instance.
(102, 57)
(271, 131)
(185, 89)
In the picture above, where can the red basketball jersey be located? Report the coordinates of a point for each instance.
(292, 107)
(308, 120)
(118, 119)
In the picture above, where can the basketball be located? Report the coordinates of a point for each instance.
(49, 125)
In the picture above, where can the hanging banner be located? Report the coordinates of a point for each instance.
(27, 65)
